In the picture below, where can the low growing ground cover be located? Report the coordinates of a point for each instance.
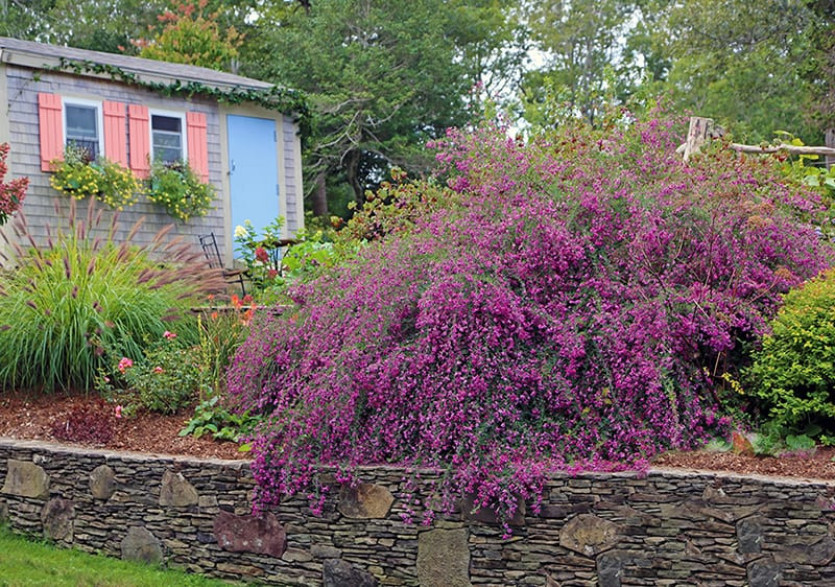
(24, 563)
(570, 303)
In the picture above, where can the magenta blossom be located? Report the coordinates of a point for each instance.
(125, 364)
(570, 307)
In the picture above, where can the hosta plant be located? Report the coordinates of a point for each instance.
(570, 307)
(81, 295)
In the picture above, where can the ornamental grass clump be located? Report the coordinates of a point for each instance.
(68, 304)
(572, 307)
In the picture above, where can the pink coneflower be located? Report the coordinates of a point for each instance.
(169, 335)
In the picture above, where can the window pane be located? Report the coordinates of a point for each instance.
(164, 139)
(169, 123)
(167, 155)
(167, 138)
(81, 122)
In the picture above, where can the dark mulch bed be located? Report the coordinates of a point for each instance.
(31, 416)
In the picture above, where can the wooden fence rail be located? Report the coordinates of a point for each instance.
(703, 129)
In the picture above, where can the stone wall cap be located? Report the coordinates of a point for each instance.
(652, 473)
(670, 473)
(110, 455)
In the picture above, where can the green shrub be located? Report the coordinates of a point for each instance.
(166, 378)
(70, 304)
(178, 189)
(794, 372)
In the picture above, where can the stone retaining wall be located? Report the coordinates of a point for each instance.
(665, 528)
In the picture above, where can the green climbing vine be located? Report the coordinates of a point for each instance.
(275, 98)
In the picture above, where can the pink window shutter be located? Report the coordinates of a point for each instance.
(139, 126)
(115, 134)
(198, 144)
(50, 114)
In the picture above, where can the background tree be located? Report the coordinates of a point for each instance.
(100, 25)
(744, 63)
(581, 44)
(188, 35)
(384, 78)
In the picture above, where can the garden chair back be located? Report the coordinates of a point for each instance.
(208, 243)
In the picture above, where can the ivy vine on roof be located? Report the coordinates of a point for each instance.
(273, 98)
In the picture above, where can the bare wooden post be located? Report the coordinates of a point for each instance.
(830, 142)
(701, 129)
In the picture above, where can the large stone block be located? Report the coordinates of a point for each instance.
(57, 519)
(140, 545)
(26, 480)
(365, 501)
(589, 535)
(340, 573)
(823, 552)
(488, 515)
(749, 534)
(443, 558)
(764, 574)
(177, 491)
(609, 569)
(102, 482)
(250, 534)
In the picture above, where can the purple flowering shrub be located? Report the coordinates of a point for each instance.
(570, 307)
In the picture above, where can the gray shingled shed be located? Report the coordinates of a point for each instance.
(125, 108)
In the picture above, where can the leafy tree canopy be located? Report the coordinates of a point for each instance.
(188, 35)
(385, 77)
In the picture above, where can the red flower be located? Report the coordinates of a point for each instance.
(261, 254)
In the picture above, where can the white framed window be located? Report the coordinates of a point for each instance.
(168, 136)
(83, 126)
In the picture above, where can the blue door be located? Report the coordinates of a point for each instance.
(253, 170)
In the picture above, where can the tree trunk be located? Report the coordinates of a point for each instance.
(320, 197)
(352, 163)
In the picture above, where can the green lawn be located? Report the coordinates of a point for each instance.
(35, 564)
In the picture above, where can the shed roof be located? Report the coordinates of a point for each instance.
(43, 56)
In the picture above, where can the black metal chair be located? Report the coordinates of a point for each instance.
(208, 243)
